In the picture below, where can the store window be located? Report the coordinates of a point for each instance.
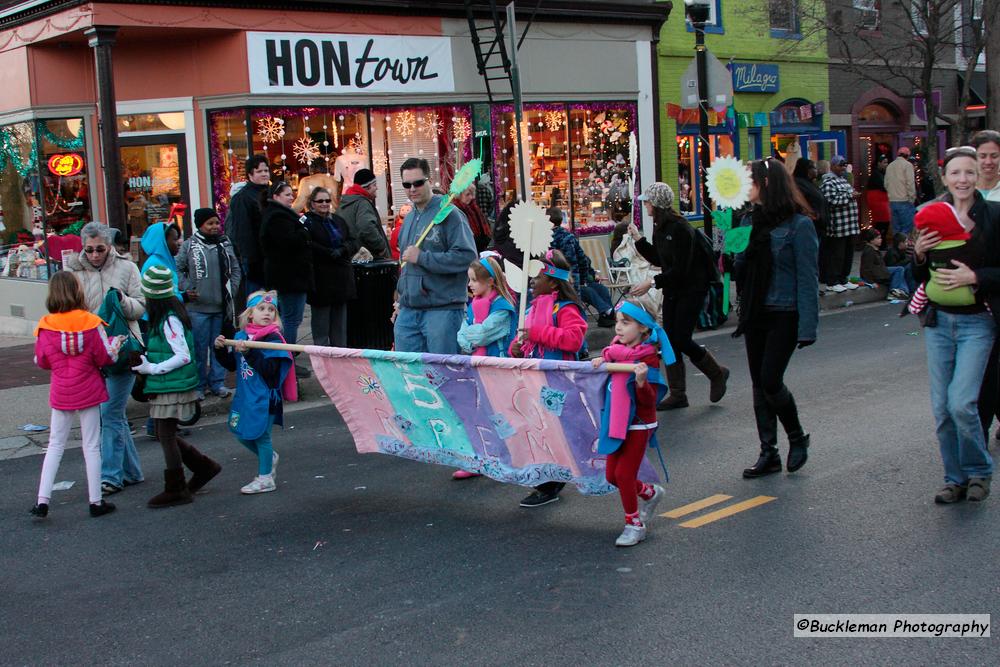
(155, 181)
(20, 203)
(152, 122)
(229, 143)
(63, 171)
(577, 156)
(688, 192)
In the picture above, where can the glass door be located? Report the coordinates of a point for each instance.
(155, 173)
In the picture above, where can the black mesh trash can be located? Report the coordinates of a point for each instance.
(368, 325)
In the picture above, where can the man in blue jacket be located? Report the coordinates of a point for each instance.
(433, 282)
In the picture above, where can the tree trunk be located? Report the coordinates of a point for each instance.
(991, 26)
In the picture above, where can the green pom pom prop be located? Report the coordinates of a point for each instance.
(465, 177)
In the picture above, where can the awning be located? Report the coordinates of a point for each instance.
(977, 88)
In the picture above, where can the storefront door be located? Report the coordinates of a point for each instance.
(155, 173)
(823, 145)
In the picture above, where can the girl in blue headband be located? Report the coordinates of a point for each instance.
(628, 420)
(490, 318)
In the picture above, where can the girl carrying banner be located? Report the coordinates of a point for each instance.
(490, 318)
(555, 328)
(628, 420)
(263, 378)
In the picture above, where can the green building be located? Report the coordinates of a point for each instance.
(780, 84)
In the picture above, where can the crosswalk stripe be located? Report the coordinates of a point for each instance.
(727, 511)
(695, 506)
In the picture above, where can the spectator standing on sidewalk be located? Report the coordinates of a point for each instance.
(841, 199)
(357, 208)
(332, 248)
(432, 285)
(901, 185)
(208, 274)
(987, 145)
(100, 269)
(243, 222)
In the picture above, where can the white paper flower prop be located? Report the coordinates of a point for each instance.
(728, 182)
(516, 278)
(530, 228)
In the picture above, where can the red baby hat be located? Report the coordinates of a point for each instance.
(941, 217)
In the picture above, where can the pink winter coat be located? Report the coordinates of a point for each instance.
(74, 347)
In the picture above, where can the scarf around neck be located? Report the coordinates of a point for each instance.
(480, 311)
(621, 402)
(759, 264)
(355, 189)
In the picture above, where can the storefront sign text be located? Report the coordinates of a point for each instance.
(755, 78)
(69, 164)
(296, 63)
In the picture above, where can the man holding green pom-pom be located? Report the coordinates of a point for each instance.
(432, 281)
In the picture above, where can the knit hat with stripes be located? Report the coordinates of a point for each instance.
(158, 282)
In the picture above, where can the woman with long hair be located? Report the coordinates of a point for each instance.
(687, 270)
(956, 257)
(778, 285)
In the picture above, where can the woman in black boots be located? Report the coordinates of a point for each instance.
(688, 267)
(778, 283)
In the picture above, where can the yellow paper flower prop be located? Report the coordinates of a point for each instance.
(728, 182)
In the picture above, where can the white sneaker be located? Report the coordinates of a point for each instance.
(274, 464)
(223, 392)
(631, 536)
(823, 287)
(849, 286)
(260, 484)
(837, 288)
(648, 507)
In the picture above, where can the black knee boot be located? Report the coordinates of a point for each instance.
(783, 404)
(767, 430)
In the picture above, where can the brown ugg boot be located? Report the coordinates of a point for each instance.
(716, 374)
(202, 468)
(175, 490)
(677, 381)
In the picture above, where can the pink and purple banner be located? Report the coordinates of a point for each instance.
(514, 420)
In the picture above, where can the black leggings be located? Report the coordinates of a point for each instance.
(770, 345)
(989, 393)
(680, 317)
(174, 447)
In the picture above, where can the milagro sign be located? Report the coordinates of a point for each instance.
(755, 78)
(297, 63)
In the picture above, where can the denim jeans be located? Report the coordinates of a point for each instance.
(250, 285)
(329, 325)
(291, 307)
(902, 216)
(897, 279)
(119, 459)
(205, 328)
(957, 351)
(263, 448)
(432, 330)
(597, 295)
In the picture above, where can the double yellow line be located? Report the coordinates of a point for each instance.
(722, 513)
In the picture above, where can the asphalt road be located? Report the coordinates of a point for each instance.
(373, 560)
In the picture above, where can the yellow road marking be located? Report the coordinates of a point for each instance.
(695, 506)
(727, 511)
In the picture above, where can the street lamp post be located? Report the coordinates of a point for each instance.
(698, 12)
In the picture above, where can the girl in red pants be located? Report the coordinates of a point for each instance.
(628, 420)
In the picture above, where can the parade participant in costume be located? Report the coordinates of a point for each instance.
(490, 318)
(554, 329)
(263, 379)
(778, 307)
(72, 344)
(628, 420)
(171, 384)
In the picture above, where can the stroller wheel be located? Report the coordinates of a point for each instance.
(194, 418)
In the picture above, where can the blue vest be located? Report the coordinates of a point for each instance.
(557, 355)
(608, 445)
(249, 412)
(497, 348)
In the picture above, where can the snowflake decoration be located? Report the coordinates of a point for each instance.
(370, 386)
(379, 162)
(356, 145)
(305, 150)
(554, 120)
(525, 130)
(271, 129)
(405, 123)
(431, 125)
(462, 129)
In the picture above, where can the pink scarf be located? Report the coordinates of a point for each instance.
(539, 317)
(621, 402)
(289, 390)
(480, 311)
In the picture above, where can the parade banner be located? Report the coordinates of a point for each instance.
(520, 421)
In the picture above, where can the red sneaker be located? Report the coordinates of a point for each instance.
(464, 474)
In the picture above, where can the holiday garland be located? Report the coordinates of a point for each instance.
(10, 150)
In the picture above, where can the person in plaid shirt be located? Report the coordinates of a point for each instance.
(584, 277)
(484, 196)
(842, 226)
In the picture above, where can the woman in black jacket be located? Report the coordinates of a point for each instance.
(686, 273)
(288, 269)
(332, 250)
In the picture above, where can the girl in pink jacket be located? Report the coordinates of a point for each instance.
(72, 344)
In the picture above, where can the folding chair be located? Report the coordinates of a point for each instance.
(597, 249)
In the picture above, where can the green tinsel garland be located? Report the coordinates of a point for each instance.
(10, 151)
(74, 144)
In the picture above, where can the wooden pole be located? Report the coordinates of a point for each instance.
(261, 345)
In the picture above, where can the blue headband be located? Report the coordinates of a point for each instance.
(555, 272)
(656, 332)
(486, 263)
(254, 300)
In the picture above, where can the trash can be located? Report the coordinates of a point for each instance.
(368, 325)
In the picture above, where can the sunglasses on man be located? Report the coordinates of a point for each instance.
(415, 184)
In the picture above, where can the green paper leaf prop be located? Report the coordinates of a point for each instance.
(738, 239)
(723, 218)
